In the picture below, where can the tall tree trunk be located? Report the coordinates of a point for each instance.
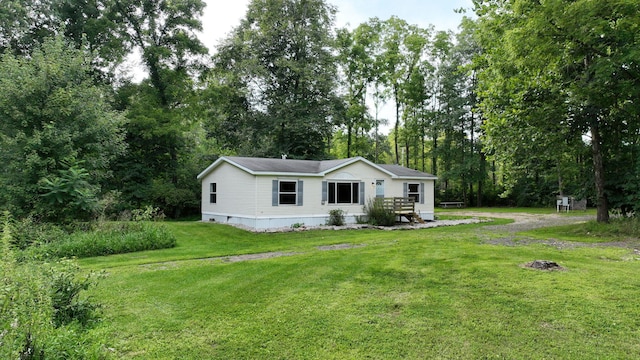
(494, 178)
(406, 150)
(349, 133)
(434, 154)
(598, 169)
(397, 125)
(483, 167)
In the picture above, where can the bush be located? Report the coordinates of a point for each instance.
(65, 296)
(336, 217)
(378, 215)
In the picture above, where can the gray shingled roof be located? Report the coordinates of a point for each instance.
(402, 171)
(286, 165)
(315, 167)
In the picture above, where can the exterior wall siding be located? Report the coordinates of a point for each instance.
(235, 194)
(246, 199)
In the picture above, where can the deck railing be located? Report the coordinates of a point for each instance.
(398, 205)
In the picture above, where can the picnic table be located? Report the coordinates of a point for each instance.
(449, 204)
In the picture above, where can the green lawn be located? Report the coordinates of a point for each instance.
(416, 294)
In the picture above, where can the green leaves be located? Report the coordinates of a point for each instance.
(51, 113)
(565, 64)
(71, 193)
(280, 60)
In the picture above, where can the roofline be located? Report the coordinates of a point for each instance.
(392, 175)
(348, 162)
(221, 159)
(210, 168)
(356, 159)
(284, 174)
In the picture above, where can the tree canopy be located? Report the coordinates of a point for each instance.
(56, 125)
(525, 101)
(558, 72)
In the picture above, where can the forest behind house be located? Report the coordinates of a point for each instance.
(526, 101)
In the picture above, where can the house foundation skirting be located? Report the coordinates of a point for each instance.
(426, 215)
(267, 222)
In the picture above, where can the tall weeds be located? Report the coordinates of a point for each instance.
(30, 324)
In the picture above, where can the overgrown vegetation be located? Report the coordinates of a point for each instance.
(378, 215)
(43, 240)
(44, 312)
(106, 239)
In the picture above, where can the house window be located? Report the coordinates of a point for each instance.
(414, 192)
(213, 193)
(344, 192)
(287, 193)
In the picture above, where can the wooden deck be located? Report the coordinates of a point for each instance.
(402, 207)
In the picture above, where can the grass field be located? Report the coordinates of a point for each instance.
(412, 294)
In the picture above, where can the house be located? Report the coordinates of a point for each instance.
(267, 193)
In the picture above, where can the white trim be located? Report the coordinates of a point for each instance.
(353, 161)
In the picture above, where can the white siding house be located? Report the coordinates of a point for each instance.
(266, 193)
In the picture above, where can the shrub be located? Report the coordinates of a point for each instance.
(149, 213)
(336, 217)
(67, 304)
(378, 215)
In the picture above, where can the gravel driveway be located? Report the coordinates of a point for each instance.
(525, 222)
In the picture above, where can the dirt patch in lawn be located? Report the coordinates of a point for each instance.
(339, 247)
(259, 256)
(544, 265)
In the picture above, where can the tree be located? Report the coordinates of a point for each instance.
(281, 53)
(401, 51)
(162, 108)
(53, 116)
(459, 118)
(165, 33)
(575, 58)
(355, 55)
(88, 25)
(24, 24)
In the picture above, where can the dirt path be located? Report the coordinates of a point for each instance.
(525, 222)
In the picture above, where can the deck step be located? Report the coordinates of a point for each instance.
(417, 218)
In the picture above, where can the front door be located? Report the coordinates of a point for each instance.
(379, 188)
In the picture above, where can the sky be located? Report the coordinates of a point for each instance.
(221, 16)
